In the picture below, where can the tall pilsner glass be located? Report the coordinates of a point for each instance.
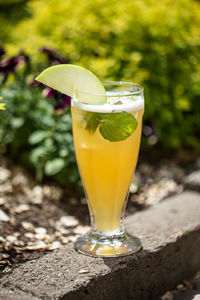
(106, 168)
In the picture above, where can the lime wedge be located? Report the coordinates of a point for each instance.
(74, 81)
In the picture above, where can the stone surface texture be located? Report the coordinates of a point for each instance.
(192, 181)
(15, 294)
(170, 234)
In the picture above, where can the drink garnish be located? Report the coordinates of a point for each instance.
(78, 82)
(75, 81)
(117, 126)
(112, 126)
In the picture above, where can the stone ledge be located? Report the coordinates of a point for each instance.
(170, 234)
(192, 181)
(15, 294)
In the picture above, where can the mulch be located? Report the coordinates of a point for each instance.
(38, 218)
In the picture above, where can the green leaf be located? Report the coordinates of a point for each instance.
(37, 155)
(64, 152)
(37, 136)
(93, 120)
(54, 166)
(49, 144)
(17, 122)
(63, 138)
(117, 126)
(112, 126)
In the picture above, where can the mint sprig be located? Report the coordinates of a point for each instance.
(117, 126)
(92, 121)
(114, 127)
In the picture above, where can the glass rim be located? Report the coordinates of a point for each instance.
(139, 89)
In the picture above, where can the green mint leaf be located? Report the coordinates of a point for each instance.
(93, 120)
(117, 126)
(112, 126)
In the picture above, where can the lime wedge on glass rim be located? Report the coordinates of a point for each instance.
(74, 81)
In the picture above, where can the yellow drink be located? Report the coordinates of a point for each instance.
(106, 169)
(107, 119)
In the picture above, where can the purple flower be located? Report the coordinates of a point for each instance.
(62, 101)
(2, 51)
(8, 66)
(65, 102)
(33, 82)
(54, 57)
(48, 92)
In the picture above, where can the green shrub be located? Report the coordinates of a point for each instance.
(36, 130)
(149, 42)
(11, 12)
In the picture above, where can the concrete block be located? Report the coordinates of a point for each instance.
(170, 233)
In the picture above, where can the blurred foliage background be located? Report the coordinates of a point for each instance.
(155, 44)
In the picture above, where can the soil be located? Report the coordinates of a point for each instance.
(38, 218)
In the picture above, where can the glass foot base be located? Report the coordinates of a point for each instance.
(95, 244)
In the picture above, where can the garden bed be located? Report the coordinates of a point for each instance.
(37, 218)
